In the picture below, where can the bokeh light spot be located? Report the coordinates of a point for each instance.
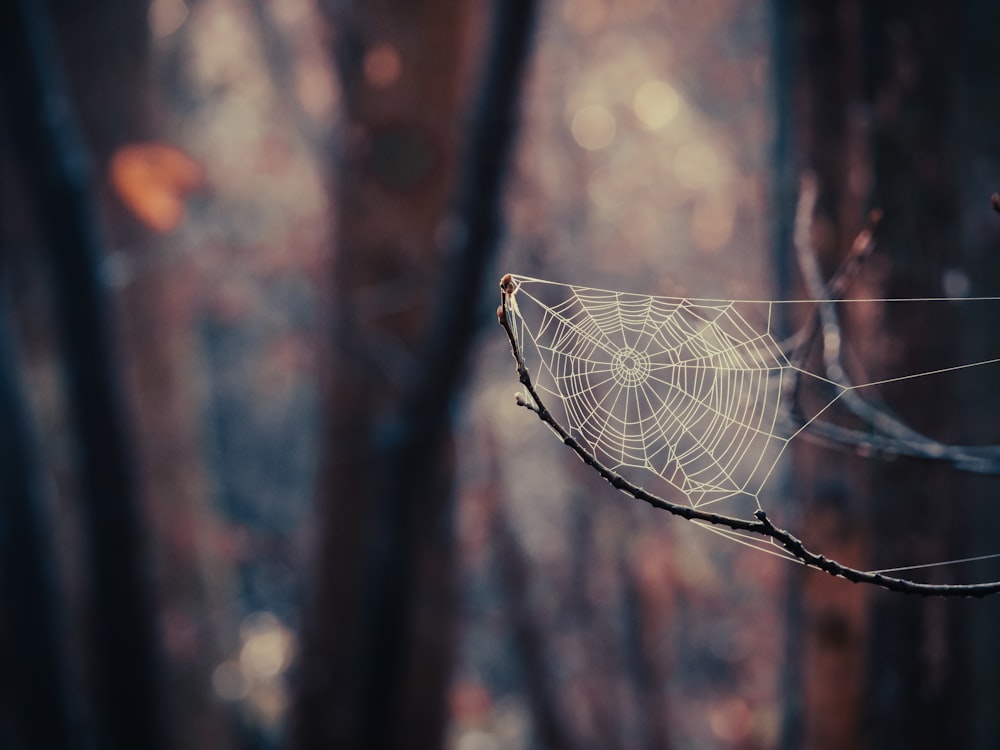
(730, 721)
(383, 65)
(585, 16)
(956, 283)
(166, 17)
(593, 127)
(317, 90)
(607, 189)
(153, 180)
(267, 646)
(656, 104)
(228, 681)
(698, 165)
(268, 701)
(712, 222)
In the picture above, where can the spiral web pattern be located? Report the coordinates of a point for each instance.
(689, 390)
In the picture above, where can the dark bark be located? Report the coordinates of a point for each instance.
(917, 667)
(118, 94)
(54, 164)
(376, 642)
(818, 84)
(871, 112)
(977, 166)
(41, 708)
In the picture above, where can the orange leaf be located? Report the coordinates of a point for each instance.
(152, 180)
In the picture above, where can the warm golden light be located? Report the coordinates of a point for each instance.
(153, 180)
(656, 104)
(267, 646)
(593, 127)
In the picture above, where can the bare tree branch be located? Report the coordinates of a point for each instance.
(891, 437)
(831, 336)
(762, 526)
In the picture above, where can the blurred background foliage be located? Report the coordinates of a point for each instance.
(658, 151)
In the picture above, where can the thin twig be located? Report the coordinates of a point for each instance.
(824, 317)
(893, 437)
(762, 526)
(973, 459)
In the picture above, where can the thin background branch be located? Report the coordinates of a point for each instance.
(888, 435)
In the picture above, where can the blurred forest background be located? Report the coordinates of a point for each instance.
(262, 480)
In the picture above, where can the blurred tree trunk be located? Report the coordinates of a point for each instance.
(821, 48)
(38, 705)
(105, 52)
(872, 113)
(408, 281)
(108, 50)
(977, 164)
(918, 669)
(57, 182)
(399, 65)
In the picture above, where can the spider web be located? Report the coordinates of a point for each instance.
(690, 390)
(697, 392)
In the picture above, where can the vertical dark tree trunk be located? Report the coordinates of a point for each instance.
(872, 113)
(395, 176)
(820, 49)
(409, 277)
(58, 182)
(109, 59)
(39, 708)
(977, 166)
(918, 682)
